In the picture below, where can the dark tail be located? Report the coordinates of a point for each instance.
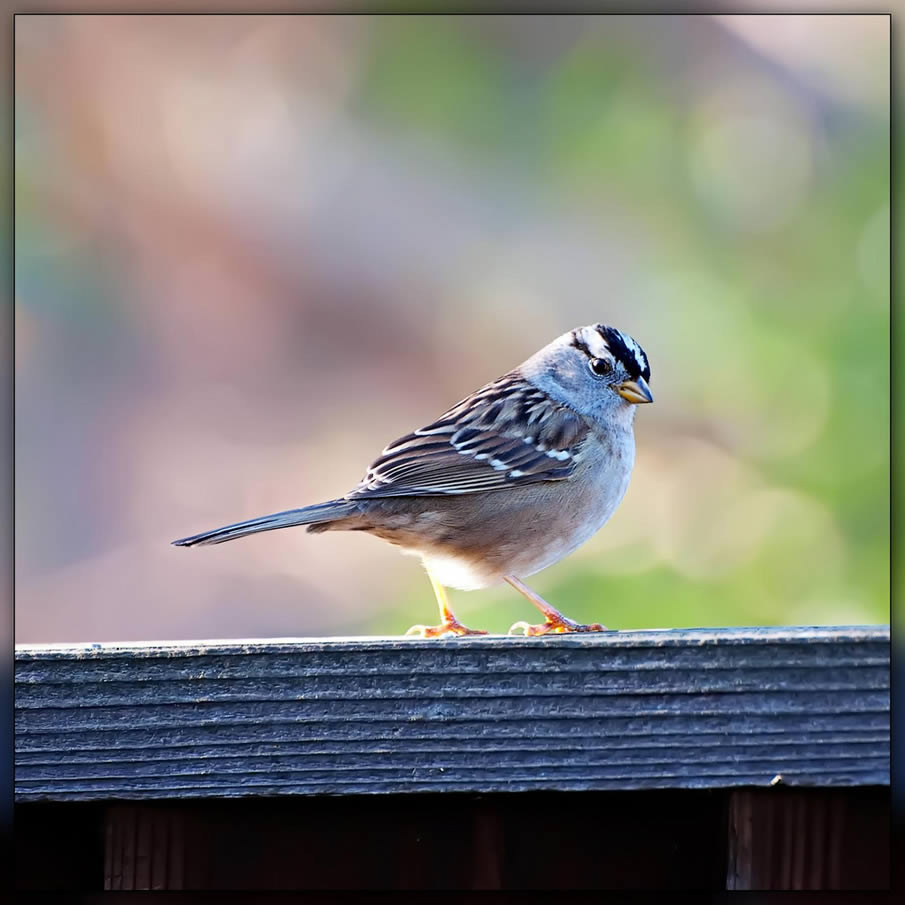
(315, 515)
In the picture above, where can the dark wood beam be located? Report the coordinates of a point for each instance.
(681, 709)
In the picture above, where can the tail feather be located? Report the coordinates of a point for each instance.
(318, 514)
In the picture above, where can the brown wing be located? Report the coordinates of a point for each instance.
(506, 433)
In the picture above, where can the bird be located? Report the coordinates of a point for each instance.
(505, 483)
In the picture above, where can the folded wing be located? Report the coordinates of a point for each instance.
(506, 433)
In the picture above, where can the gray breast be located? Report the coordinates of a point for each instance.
(479, 538)
(585, 504)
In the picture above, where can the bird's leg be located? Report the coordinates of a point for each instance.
(448, 622)
(554, 620)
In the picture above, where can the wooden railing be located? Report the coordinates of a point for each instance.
(706, 709)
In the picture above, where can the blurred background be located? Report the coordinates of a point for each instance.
(251, 251)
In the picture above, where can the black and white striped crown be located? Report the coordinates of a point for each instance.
(620, 345)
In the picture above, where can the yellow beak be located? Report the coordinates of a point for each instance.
(636, 391)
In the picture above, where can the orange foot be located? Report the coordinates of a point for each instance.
(450, 626)
(556, 625)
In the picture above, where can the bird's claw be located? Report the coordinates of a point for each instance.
(556, 626)
(450, 627)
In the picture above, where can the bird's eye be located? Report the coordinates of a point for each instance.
(600, 367)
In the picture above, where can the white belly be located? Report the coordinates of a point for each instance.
(458, 572)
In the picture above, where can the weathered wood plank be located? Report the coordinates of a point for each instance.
(624, 731)
(620, 710)
(713, 747)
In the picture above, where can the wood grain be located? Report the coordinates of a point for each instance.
(702, 708)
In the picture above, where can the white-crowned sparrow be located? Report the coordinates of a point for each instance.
(507, 482)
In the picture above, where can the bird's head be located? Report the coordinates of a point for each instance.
(597, 370)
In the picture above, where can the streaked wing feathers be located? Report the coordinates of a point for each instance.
(506, 433)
